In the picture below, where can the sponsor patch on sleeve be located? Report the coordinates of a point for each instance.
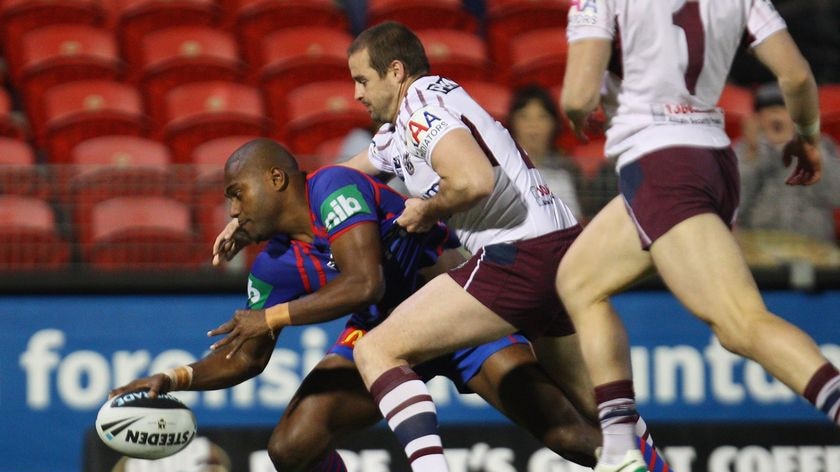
(583, 12)
(340, 205)
(424, 127)
(258, 292)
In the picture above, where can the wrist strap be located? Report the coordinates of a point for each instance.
(180, 378)
(808, 131)
(277, 317)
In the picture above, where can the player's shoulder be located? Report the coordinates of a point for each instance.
(329, 175)
(270, 261)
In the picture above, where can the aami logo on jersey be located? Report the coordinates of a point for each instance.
(341, 205)
(258, 292)
(583, 12)
(423, 127)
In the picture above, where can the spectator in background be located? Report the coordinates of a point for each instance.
(766, 201)
(534, 121)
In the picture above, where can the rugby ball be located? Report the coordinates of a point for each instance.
(138, 426)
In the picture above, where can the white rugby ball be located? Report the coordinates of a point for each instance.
(147, 428)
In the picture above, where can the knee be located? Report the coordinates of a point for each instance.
(738, 334)
(289, 450)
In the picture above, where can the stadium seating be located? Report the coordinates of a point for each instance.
(18, 173)
(10, 126)
(29, 238)
(200, 111)
(255, 19)
(141, 233)
(506, 19)
(538, 57)
(298, 56)
(85, 109)
(20, 16)
(830, 110)
(63, 53)
(112, 166)
(321, 111)
(184, 54)
(134, 19)
(457, 55)
(737, 104)
(492, 96)
(422, 14)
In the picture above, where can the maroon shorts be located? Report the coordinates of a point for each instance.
(670, 185)
(516, 281)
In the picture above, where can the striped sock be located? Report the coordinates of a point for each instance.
(654, 458)
(332, 462)
(618, 417)
(823, 391)
(408, 408)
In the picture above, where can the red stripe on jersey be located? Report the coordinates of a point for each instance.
(477, 136)
(524, 155)
(336, 235)
(304, 277)
(322, 276)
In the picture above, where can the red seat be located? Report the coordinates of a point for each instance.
(112, 166)
(321, 111)
(141, 233)
(201, 111)
(137, 18)
(184, 54)
(20, 16)
(538, 57)
(18, 173)
(298, 56)
(422, 14)
(209, 159)
(255, 19)
(58, 54)
(830, 109)
(493, 97)
(85, 109)
(29, 238)
(737, 104)
(589, 157)
(506, 19)
(10, 125)
(457, 55)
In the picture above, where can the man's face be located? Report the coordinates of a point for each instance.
(378, 94)
(251, 199)
(776, 125)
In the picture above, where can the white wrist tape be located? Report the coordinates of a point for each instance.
(809, 130)
(180, 378)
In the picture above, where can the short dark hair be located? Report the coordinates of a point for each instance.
(768, 95)
(390, 41)
(524, 95)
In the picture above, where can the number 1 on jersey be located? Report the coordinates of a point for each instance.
(688, 19)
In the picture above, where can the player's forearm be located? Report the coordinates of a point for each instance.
(215, 372)
(344, 294)
(456, 196)
(801, 99)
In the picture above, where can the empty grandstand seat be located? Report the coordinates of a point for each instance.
(184, 54)
(737, 104)
(20, 16)
(506, 19)
(830, 110)
(493, 97)
(321, 111)
(63, 53)
(457, 55)
(422, 14)
(10, 125)
(85, 109)
(589, 157)
(141, 233)
(112, 166)
(136, 18)
(29, 238)
(298, 56)
(209, 160)
(538, 57)
(200, 111)
(18, 173)
(255, 19)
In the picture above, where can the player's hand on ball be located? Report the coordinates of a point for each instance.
(245, 325)
(229, 242)
(155, 384)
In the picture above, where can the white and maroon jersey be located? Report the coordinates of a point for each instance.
(520, 207)
(672, 58)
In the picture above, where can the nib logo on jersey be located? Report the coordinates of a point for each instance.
(341, 205)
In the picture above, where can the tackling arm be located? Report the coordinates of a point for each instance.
(587, 61)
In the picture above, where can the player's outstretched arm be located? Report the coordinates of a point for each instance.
(780, 54)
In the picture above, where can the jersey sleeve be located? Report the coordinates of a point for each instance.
(590, 19)
(426, 127)
(341, 198)
(763, 21)
(380, 152)
(274, 280)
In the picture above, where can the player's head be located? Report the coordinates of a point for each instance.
(257, 176)
(384, 60)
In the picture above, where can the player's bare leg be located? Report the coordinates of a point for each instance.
(332, 401)
(439, 318)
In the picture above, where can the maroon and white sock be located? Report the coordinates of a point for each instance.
(407, 406)
(618, 417)
(823, 391)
